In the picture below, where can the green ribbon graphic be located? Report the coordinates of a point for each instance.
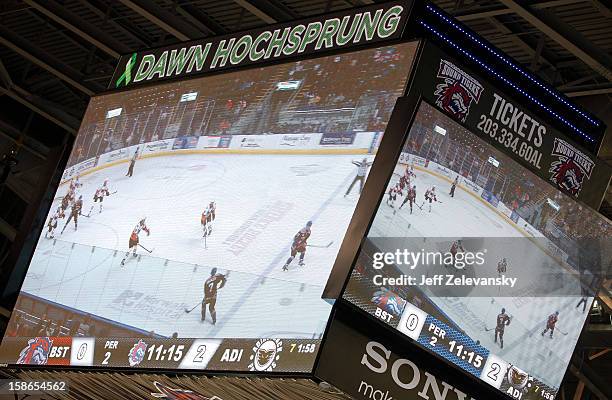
(127, 75)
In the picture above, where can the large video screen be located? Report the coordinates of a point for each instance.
(197, 221)
(481, 262)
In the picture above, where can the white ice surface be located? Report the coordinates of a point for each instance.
(262, 201)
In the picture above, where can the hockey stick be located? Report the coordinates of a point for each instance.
(145, 249)
(563, 333)
(194, 307)
(320, 246)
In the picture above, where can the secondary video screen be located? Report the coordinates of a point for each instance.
(480, 261)
(197, 222)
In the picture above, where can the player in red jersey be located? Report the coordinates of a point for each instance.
(550, 323)
(214, 282)
(455, 248)
(77, 206)
(410, 197)
(66, 201)
(299, 245)
(135, 239)
(503, 320)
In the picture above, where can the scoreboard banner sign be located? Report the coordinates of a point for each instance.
(511, 126)
(356, 27)
(258, 355)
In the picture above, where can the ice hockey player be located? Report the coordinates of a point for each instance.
(52, 224)
(101, 192)
(135, 239)
(204, 222)
(212, 208)
(299, 245)
(404, 182)
(132, 163)
(430, 196)
(502, 266)
(77, 206)
(74, 185)
(392, 196)
(410, 197)
(503, 320)
(550, 323)
(66, 200)
(362, 170)
(455, 248)
(453, 187)
(214, 282)
(583, 301)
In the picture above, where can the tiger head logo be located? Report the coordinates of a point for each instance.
(457, 92)
(571, 168)
(36, 352)
(453, 99)
(567, 175)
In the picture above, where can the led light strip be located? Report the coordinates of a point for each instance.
(512, 85)
(511, 64)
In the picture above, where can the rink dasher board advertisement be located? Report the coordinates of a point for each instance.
(309, 37)
(511, 126)
(247, 355)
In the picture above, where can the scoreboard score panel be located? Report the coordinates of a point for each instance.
(257, 355)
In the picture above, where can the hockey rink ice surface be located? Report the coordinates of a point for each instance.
(465, 216)
(262, 201)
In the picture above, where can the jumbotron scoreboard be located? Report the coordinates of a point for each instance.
(375, 196)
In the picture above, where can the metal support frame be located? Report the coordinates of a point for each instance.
(45, 61)
(76, 25)
(109, 16)
(571, 41)
(588, 376)
(163, 19)
(38, 105)
(486, 12)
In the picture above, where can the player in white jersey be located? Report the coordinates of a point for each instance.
(52, 224)
(430, 197)
(135, 238)
(101, 193)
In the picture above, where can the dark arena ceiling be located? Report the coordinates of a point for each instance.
(55, 54)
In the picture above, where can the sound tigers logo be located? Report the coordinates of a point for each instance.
(457, 92)
(36, 352)
(570, 168)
